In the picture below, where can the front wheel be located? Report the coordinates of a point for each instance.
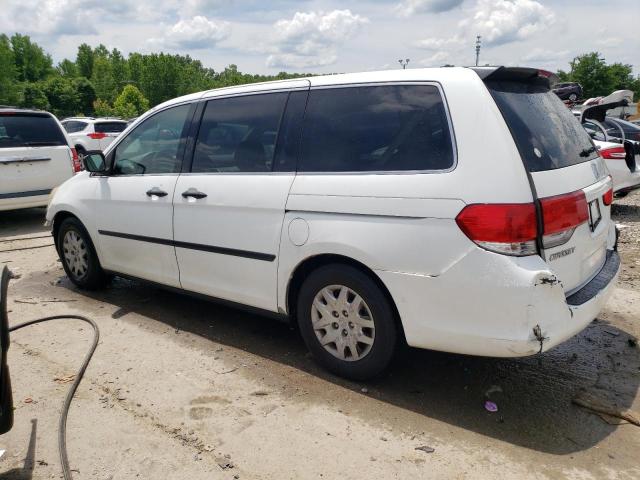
(78, 256)
(347, 322)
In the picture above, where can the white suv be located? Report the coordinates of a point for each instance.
(89, 134)
(35, 157)
(436, 205)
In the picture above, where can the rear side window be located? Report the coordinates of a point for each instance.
(238, 134)
(28, 130)
(376, 128)
(73, 126)
(547, 134)
(109, 127)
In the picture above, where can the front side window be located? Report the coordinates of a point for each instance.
(376, 128)
(238, 134)
(154, 146)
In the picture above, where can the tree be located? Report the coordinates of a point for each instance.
(67, 68)
(63, 97)
(102, 78)
(84, 60)
(86, 95)
(32, 63)
(102, 108)
(130, 103)
(8, 85)
(34, 97)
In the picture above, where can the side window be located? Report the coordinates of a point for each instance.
(238, 134)
(377, 128)
(154, 146)
(594, 131)
(290, 130)
(73, 127)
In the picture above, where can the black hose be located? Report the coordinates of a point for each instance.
(62, 426)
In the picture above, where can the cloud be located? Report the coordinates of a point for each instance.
(196, 33)
(47, 17)
(541, 55)
(407, 8)
(504, 21)
(309, 39)
(436, 60)
(440, 43)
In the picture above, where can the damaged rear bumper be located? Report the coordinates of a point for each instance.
(510, 307)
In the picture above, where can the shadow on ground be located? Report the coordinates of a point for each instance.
(22, 222)
(534, 394)
(26, 471)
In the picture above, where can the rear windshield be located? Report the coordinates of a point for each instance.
(110, 127)
(73, 126)
(547, 134)
(28, 130)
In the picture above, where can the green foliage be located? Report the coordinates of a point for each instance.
(8, 82)
(102, 108)
(130, 103)
(86, 95)
(84, 60)
(597, 78)
(63, 97)
(67, 68)
(32, 63)
(35, 97)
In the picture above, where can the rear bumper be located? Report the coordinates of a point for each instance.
(18, 200)
(493, 305)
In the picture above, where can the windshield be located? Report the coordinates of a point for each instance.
(547, 134)
(29, 130)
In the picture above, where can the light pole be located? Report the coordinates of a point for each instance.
(404, 63)
(478, 45)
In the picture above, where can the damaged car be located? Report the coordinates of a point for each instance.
(369, 209)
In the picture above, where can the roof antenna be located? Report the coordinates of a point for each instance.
(478, 46)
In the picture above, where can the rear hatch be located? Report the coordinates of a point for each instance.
(106, 132)
(567, 176)
(34, 154)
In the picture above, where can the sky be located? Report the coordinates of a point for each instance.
(322, 36)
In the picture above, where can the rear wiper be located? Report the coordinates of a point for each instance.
(588, 151)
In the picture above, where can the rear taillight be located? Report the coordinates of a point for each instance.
(508, 228)
(613, 153)
(607, 198)
(511, 228)
(97, 135)
(561, 215)
(75, 161)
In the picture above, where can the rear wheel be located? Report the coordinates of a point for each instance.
(78, 255)
(347, 322)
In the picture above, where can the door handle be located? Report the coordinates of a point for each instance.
(194, 193)
(157, 192)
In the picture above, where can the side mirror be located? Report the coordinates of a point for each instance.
(94, 162)
(6, 396)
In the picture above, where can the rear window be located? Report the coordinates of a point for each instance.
(110, 127)
(376, 128)
(547, 134)
(20, 130)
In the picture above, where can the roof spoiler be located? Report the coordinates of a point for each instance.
(517, 74)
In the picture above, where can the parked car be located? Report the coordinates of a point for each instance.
(365, 207)
(89, 134)
(619, 143)
(568, 91)
(35, 157)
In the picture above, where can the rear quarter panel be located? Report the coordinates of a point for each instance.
(405, 222)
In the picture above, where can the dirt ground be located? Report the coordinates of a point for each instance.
(184, 389)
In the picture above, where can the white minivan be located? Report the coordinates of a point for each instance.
(462, 210)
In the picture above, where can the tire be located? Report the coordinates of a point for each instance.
(78, 256)
(573, 97)
(371, 330)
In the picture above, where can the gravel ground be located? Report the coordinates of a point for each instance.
(181, 388)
